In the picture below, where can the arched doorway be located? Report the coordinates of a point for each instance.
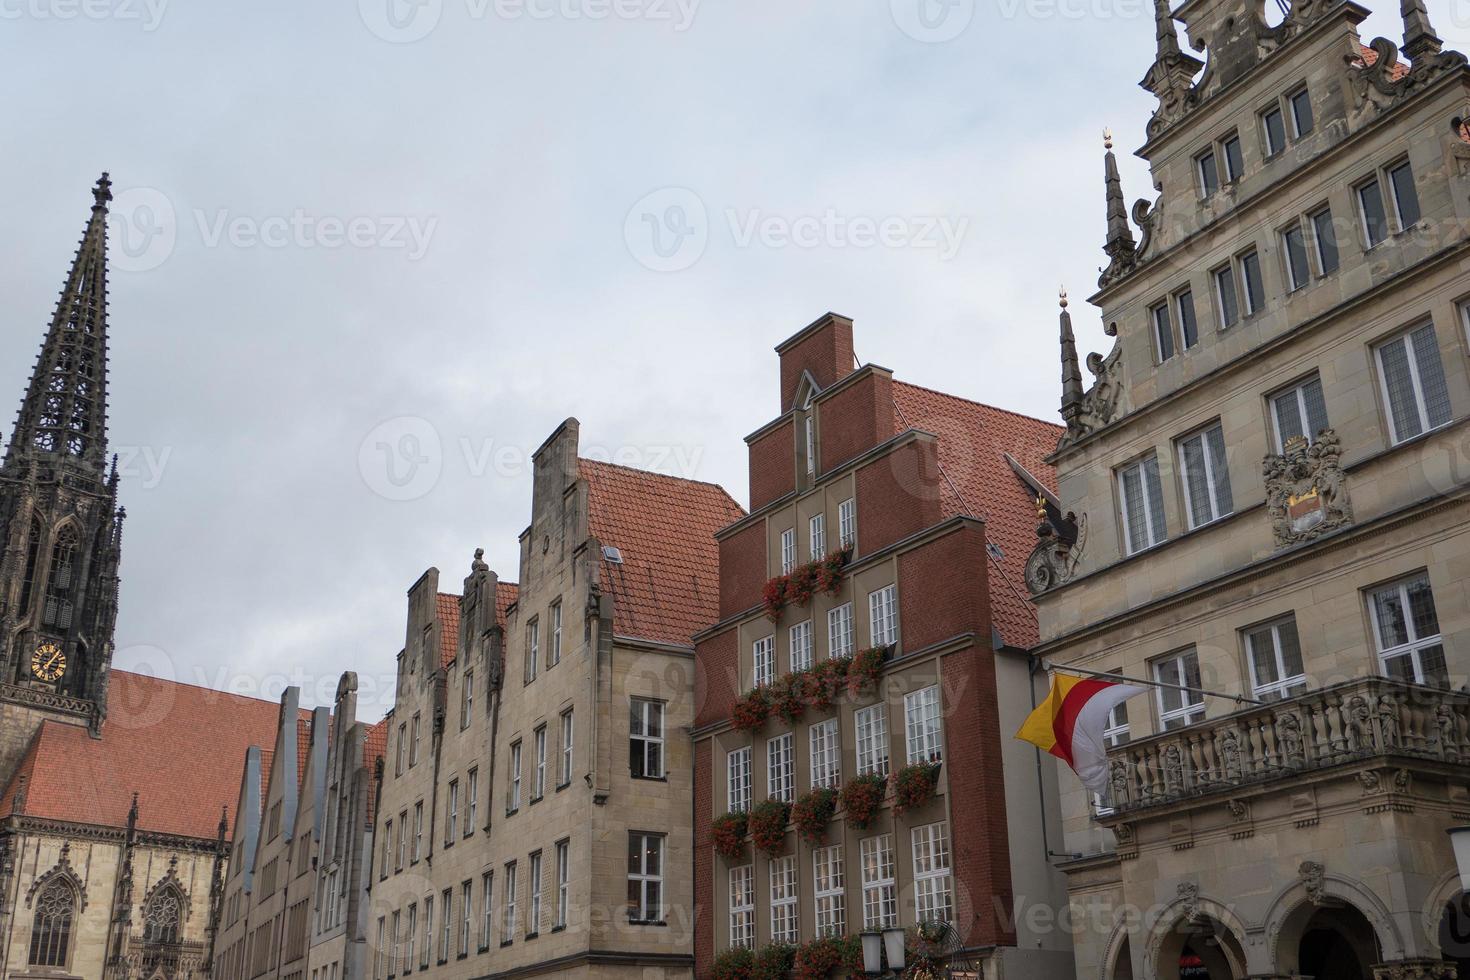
(1454, 933)
(1122, 968)
(1201, 948)
(1336, 940)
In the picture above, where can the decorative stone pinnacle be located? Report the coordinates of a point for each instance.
(102, 193)
(1062, 297)
(1107, 138)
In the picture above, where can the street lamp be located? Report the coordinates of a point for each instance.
(875, 944)
(1460, 840)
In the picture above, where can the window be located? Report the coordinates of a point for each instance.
(1226, 297)
(1370, 208)
(1294, 249)
(810, 424)
(1413, 383)
(826, 758)
(533, 649)
(553, 656)
(932, 901)
(1324, 241)
(466, 699)
(566, 748)
(783, 899)
(763, 657)
(788, 550)
(1142, 499)
(533, 921)
(411, 936)
(872, 740)
(487, 908)
(387, 846)
(779, 768)
(839, 631)
(398, 753)
(563, 881)
(538, 778)
(451, 823)
(645, 877)
(395, 961)
(397, 865)
(1275, 656)
(1405, 198)
(471, 801)
(742, 907)
(446, 929)
(828, 888)
(1406, 626)
(1234, 164)
(514, 803)
(413, 745)
(1179, 708)
(801, 645)
(466, 916)
(1299, 411)
(1255, 291)
(1163, 332)
(817, 534)
(1188, 326)
(847, 522)
(428, 930)
(1209, 173)
(921, 724)
(378, 949)
(737, 780)
(646, 740)
(418, 830)
(880, 892)
(883, 616)
(51, 926)
(508, 925)
(1273, 126)
(1205, 475)
(1301, 112)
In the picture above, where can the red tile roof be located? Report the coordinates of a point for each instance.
(374, 747)
(667, 587)
(505, 595)
(1370, 58)
(180, 747)
(973, 441)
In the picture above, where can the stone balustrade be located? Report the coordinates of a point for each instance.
(1317, 730)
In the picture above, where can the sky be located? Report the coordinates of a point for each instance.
(367, 254)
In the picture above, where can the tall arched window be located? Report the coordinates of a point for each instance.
(33, 559)
(161, 918)
(62, 579)
(51, 928)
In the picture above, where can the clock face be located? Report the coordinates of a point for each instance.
(48, 663)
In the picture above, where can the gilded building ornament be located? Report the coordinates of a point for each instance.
(1306, 489)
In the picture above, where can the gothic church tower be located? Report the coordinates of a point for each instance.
(60, 526)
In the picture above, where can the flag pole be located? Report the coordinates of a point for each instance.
(1237, 698)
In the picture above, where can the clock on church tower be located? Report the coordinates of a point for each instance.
(60, 525)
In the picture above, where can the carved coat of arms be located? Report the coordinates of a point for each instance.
(1306, 490)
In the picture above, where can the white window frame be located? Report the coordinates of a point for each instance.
(826, 754)
(1212, 485)
(644, 877)
(847, 523)
(538, 779)
(533, 921)
(1393, 192)
(1377, 179)
(783, 899)
(466, 699)
(515, 776)
(1421, 404)
(1204, 180)
(1292, 282)
(742, 907)
(487, 909)
(763, 661)
(563, 882)
(810, 425)
(647, 709)
(1190, 712)
(554, 654)
(933, 887)
(816, 531)
(533, 649)
(737, 780)
(871, 726)
(508, 904)
(1219, 286)
(1298, 394)
(568, 746)
(448, 928)
(1163, 331)
(471, 800)
(451, 824)
(788, 551)
(1141, 465)
(840, 631)
(880, 888)
(829, 897)
(781, 768)
(1286, 685)
(923, 726)
(418, 831)
(1296, 127)
(466, 915)
(1416, 644)
(799, 645)
(883, 616)
(1266, 141)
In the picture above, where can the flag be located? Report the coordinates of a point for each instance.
(1069, 724)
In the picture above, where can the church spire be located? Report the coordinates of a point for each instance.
(64, 414)
(1122, 250)
(1071, 371)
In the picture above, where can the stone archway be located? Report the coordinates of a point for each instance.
(1118, 958)
(1336, 940)
(1454, 932)
(1199, 947)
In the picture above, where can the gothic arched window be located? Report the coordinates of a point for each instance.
(51, 928)
(60, 584)
(33, 558)
(162, 917)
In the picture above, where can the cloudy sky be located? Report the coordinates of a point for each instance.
(367, 254)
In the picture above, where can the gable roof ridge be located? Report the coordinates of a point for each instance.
(978, 404)
(655, 473)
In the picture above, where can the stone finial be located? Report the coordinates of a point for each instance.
(1419, 37)
(102, 193)
(1071, 370)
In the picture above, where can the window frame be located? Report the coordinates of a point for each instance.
(533, 911)
(800, 631)
(763, 661)
(829, 895)
(568, 748)
(883, 609)
(563, 882)
(1389, 171)
(816, 532)
(1163, 332)
(533, 649)
(1207, 173)
(644, 743)
(1177, 301)
(1297, 227)
(553, 652)
(873, 749)
(847, 529)
(538, 773)
(788, 551)
(1190, 712)
(1227, 309)
(1365, 226)
(824, 757)
(923, 725)
(781, 767)
(1421, 404)
(1296, 391)
(841, 631)
(741, 907)
(644, 877)
(1213, 486)
(1141, 464)
(508, 905)
(1318, 251)
(1285, 685)
(1272, 151)
(1246, 260)
(516, 752)
(738, 780)
(880, 888)
(782, 875)
(1415, 644)
(1231, 173)
(933, 853)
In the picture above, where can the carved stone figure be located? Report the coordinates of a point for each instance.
(1289, 734)
(1306, 491)
(1314, 878)
(1189, 894)
(1054, 559)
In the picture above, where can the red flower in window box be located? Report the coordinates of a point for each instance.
(773, 597)
(863, 671)
(829, 570)
(733, 964)
(827, 682)
(862, 797)
(774, 962)
(728, 834)
(767, 824)
(751, 710)
(792, 694)
(812, 813)
(914, 786)
(817, 959)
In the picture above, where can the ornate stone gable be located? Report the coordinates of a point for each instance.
(1306, 490)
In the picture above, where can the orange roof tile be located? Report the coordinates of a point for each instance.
(180, 747)
(506, 594)
(448, 628)
(667, 587)
(374, 747)
(1370, 58)
(973, 441)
